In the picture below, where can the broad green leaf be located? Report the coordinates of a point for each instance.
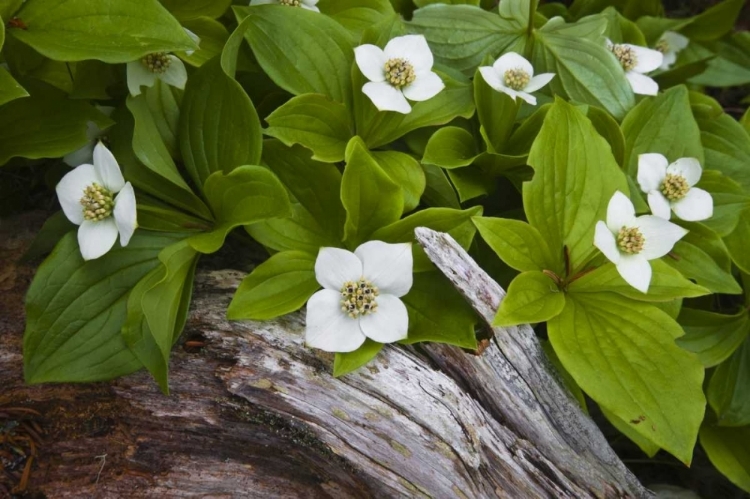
(249, 194)
(219, 128)
(54, 228)
(344, 363)
(406, 172)
(315, 122)
(663, 124)
(94, 80)
(496, 112)
(567, 379)
(517, 243)
(9, 88)
(532, 297)
(438, 313)
(300, 231)
(108, 30)
(728, 61)
(370, 197)
(729, 450)
(666, 284)
(729, 388)
(714, 22)
(278, 286)
(730, 200)
(622, 353)
(213, 35)
(356, 16)
(164, 102)
(186, 10)
(158, 216)
(621, 29)
(471, 182)
(713, 337)
(575, 176)
(424, 3)
(451, 147)
(438, 190)
(75, 309)
(607, 127)
(738, 242)
(302, 51)
(727, 146)
(647, 446)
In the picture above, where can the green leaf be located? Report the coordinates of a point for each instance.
(714, 22)
(621, 29)
(666, 284)
(108, 30)
(213, 35)
(54, 228)
(729, 450)
(607, 127)
(738, 241)
(344, 363)
(315, 122)
(567, 379)
(729, 389)
(75, 309)
(451, 147)
(438, 190)
(301, 51)
(219, 128)
(9, 88)
(713, 337)
(185, 10)
(278, 286)
(249, 194)
(727, 146)
(94, 79)
(575, 176)
(471, 182)
(438, 313)
(517, 243)
(730, 200)
(496, 112)
(371, 199)
(158, 216)
(406, 172)
(647, 446)
(356, 16)
(9, 7)
(532, 297)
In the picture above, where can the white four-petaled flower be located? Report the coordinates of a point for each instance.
(400, 71)
(670, 44)
(360, 298)
(630, 242)
(513, 75)
(97, 198)
(636, 61)
(670, 187)
(159, 66)
(305, 4)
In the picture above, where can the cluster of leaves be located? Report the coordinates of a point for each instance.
(333, 171)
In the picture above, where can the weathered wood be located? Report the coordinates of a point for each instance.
(254, 413)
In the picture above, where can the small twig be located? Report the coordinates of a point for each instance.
(103, 457)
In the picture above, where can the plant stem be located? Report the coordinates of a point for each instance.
(532, 13)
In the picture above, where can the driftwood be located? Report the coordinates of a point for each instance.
(254, 413)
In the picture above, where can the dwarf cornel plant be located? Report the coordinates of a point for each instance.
(573, 150)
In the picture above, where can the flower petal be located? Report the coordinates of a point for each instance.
(138, 76)
(659, 205)
(386, 97)
(669, 59)
(389, 323)
(310, 4)
(80, 156)
(335, 266)
(195, 38)
(538, 82)
(388, 266)
(413, 48)
(675, 41)
(96, 238)
(636, 271)
(125, 213)
(70, 191)
(659, 236)
(690, 168)
(328, 327)
(107, 168)
(371, 61)
(606, 242)
(530, 99)
(176, 74)
(492, 78)
(652, 168)
(511, 60)
(697, 205)
(642, 84)
(309, 7)
(620, 212)
(425, 86)
(646, 59)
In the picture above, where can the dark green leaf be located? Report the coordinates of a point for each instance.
(713, 337)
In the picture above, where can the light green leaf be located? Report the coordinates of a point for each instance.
(607, 127)
(471, 182)
(315, 122)
(278, 286)
(300, 231)
(406, 172)
(108, 30)
(730, 200)
(213, 35)
(623, 355)
(729, 389)
(438, 313)
(518, 244)
(567, 379)
(713, 337)
(714, 22)
(451, 147)
(185, 10)
(356, 16)
(249, 194)
(344, 363)
(158, 216)
(9, 87)
(532, 297)
(219, 128)
(9, 7)
(496, 112)
(727, 146)
(738, 241)
(729, 450)
(647, 446)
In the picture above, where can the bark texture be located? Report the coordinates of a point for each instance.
(254, 413)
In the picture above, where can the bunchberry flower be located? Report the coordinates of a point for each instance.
(305, 4)
(513, 75)
(636, 61)
(670, 44)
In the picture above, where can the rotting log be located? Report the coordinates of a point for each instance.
(254, 413)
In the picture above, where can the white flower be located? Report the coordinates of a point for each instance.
(360, 298)
(87, 196)
(513, 75)
(636, 61)
(86, 153)
(305, 4)
(403, 70)
(159, 66)
(670, 44)
(195, 38)
(671, 187)
(630, 242)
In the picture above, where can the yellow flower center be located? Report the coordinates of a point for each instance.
(626, 56)
(517, 79)
(399, 72)
(290, 3)
(97, 202)
(157, 63)
(674, 187)
(630, 240)
(359, 298)
(662, 46)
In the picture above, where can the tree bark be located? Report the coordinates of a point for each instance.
(254, 413)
